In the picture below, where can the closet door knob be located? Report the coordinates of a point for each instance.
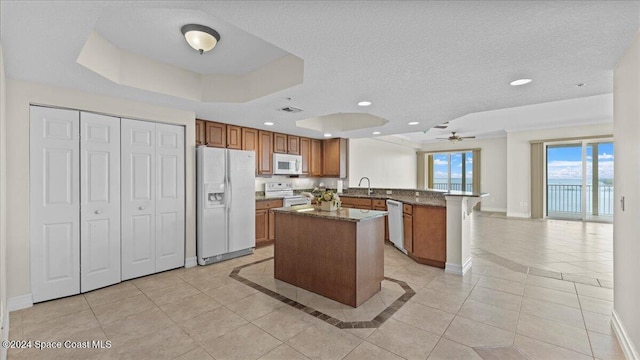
(97, 212)
(141, 208)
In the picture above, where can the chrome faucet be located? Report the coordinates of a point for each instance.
(369, 191)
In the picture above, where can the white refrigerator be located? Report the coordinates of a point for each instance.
(225, 204)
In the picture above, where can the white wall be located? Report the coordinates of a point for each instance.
(519, 161)
(626, 247)
(20, 95)
(3, 205)
(493, 167)
(386, 165)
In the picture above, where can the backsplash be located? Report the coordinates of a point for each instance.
(298, 183)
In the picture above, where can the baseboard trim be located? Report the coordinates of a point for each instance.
(518, 215)
(191, 262)
(628, 348)
(19, 302)
(490, 209)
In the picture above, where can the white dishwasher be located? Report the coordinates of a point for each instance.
(396, 232)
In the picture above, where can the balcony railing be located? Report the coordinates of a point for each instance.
(454, 187)
(567, 199)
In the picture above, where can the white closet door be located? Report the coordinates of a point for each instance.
(54, 200)
(138, 174)
(170, 238)
(100, 201)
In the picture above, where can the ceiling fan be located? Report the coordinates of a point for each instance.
(454, 137)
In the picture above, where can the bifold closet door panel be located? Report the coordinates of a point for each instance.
(170, 238)
(138, 196)
(54, 203)
(100, 201)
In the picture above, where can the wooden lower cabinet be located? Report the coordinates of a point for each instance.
(265, 221)
(425, 234)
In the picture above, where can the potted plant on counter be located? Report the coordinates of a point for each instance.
(328, 200)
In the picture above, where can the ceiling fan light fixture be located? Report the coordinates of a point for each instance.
(201, 38)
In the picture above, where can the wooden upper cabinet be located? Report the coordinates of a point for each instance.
(279, 143)
(305, 152)
(315, 163)
(250, 142)
(334, 159)
(234, 137)
(216, 134)
(201, 133)
(293, 144)
(265, 152)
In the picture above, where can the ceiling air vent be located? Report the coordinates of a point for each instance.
(290, 109)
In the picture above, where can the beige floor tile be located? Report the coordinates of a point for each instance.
(554, 332)
(416, 279)
(501, 272)
(324, 342)
(500, 353)
(189, 307)
(473, 333)
(597, 322)
(555, 284)
(390, 292)
(162, 344)
(255, 306)
(550, 295)
(120, 309)
(60, 327)
(496, 298)
(368, 351)
(157, 281)
(508, 286)
(366, 311)
(53, 309)
(424, 317)
(283, 352)
(605, 347)
(361, 333)
(195, 354)
(489, 314)
(206, 282)
(231, 293)
(285, 323)
(112, 293)
(436, 298)
(212, 324)
(452, 284)
(138, 324)
(245, 343)
(404, 340)
(552, 311)
(595, 292)
(588, 280)
(169, 294)
(538, 350)
(598, 306)
(448, 350)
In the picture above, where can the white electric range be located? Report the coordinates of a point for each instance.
(284, 190)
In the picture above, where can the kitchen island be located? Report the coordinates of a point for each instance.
(336, 254)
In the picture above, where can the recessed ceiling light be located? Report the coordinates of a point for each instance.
(414, 123)
(520, 82)
(327, 135)
(376, 133)
(364, 103)
(268, 123)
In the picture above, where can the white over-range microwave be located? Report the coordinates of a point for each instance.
(286, 164)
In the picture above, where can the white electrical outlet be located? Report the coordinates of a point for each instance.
(389, 192)
(417, 193)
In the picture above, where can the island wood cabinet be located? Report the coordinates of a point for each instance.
(367, 204)
(305, 152)
(315, 159)
(334, 157)
(265, 152)
(425, 233)
(265, 221)
(234, 137)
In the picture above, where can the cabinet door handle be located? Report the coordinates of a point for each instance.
(97, 212)
(141, 208)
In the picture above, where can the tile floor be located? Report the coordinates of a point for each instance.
(538, 290)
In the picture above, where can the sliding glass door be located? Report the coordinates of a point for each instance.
(452, 171)
(579, 180)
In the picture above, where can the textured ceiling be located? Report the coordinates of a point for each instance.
(416, 61)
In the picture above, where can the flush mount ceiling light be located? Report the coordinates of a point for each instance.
(520, 82)
(364, 103)
(414, 123)
(376, 133)
(200, 37)
(327, 135)
(268, 123)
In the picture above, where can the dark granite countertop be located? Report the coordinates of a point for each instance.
(342, 214)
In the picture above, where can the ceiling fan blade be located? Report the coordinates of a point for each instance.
(468, 137)
(440, 126)
(442, 138)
